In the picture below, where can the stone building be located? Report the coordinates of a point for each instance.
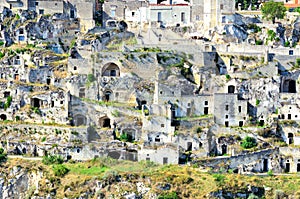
(229, 110)
(215, 12)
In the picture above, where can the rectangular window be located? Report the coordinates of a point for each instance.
(72, 14)
(226, 116)
(182, 17)
(113, 13)
(206, 103)
(165, 160)
(41, 11)
(240, 109)
(36, 3)
(221, 7)
(226, 107)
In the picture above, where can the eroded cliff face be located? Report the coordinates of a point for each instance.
(108, 178)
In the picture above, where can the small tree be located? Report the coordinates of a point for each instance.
(272, 10)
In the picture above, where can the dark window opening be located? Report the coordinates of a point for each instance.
(265, 166)
(226, 116)
(82, 92)
(75, 68)
(226, 107)
(165, 160)
(157, 139)
(224, 149)
(182, 17)
(261, 123)
(240, 109)
(6, 94)
(290, 138)
(241, 123)
(206, 103)
(189, 146)
(48, 80)
(231, 89)
(289, 116)
(298, 167)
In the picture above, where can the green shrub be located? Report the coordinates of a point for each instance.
(52, 159)
(248, 143)
(227, 77)
(3, 156)
(60, 170)
(286, 44)
(259, 42)
(170, 195)
(257, 102)
(124, 137)
(220, 179)
(43, 139)
(270, 173)
(91, 78)
(17, 118)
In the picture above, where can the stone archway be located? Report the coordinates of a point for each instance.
(107, 95)
(80, 120)
(111, 70)
(288, 86)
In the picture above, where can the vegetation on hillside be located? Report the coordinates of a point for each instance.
(73, 179)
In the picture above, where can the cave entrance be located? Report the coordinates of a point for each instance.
(104, 122)
(35, 102)
(3, 117)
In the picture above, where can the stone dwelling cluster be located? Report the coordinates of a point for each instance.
(169, 13)
(168, 105)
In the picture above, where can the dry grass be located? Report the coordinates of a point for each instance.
(187, 182)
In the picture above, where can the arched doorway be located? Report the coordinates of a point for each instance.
(111, 70)
(79, 120)
(289, 86)
(107, 95)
